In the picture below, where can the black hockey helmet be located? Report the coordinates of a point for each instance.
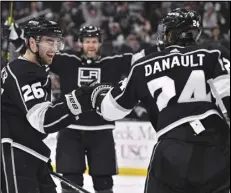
(36, 28)
(184, 25)
(89, 31)
(42, 27)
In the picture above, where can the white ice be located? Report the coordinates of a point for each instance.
(122, 184)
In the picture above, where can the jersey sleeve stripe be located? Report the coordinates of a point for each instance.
(48, 77)
(219, 91)
(128, 54)
(17, 84)
(57, 121)
(69, 55)
(111, 110)
(61, 103)
(137, 56)
(36, 116)
(222, 85)
(112, 57)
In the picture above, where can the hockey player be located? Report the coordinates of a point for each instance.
(27, 115)
(91, 135)
(186, 91)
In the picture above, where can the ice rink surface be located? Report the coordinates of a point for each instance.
(122, 184)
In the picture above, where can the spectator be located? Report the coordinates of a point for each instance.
(219, 38)
(124, 18)
(210, 17)
(92, 13)
(108, 9)
(126, 26)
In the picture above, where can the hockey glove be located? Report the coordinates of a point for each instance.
(79, 100)
(98, 94)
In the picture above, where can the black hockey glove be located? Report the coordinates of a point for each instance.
(98, 94)
(15, 35)
(79, 100)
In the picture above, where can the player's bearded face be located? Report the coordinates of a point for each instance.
(91, 47)
(48, 47)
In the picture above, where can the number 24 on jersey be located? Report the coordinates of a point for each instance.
(195, 86)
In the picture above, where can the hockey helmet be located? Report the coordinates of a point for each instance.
(184, 25)
(37, 28)
(42, 27)
(89, 31)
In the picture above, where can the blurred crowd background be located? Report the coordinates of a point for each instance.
(125, 26)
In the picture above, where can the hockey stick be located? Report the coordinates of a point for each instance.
(76, 187)
(10, 20)
(29, 17)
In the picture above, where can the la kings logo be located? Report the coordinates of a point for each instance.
(86, 75)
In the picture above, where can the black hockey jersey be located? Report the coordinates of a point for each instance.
(73, 72)
(177, 85)
(26, 111)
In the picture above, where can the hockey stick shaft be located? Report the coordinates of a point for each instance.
(10, 20)
(76, 187)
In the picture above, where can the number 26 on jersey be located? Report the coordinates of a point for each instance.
(33, 91)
